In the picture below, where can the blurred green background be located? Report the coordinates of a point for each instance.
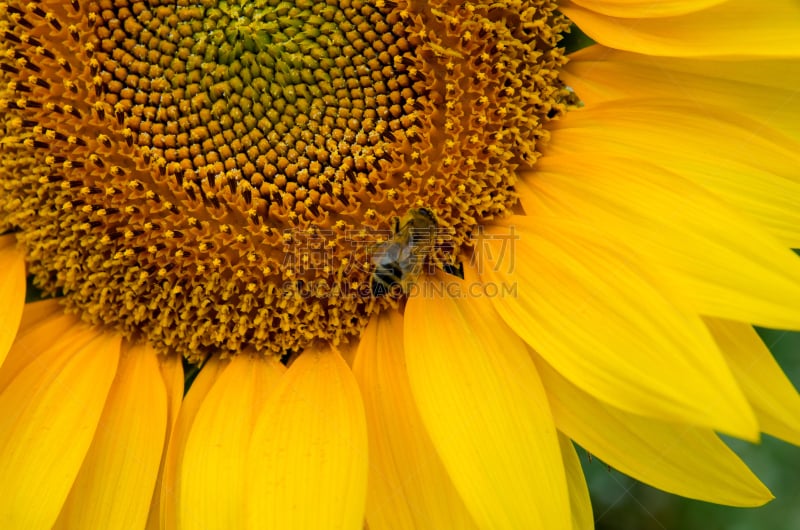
(622, 503)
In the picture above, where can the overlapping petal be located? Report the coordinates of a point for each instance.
(740, 28)
(171, 368)
(213, 493)
(308, 452)
(596, 313)
(40, 313)
(682, 459)
(483, 405)
(41, 321)
(57, 393)
(12, 291)
(757, 88)
(774, 398)
(171, 485)
(720, 263)
(172, 374)
(408, 485)
(745, 163)
(579, 501)
(646, 8)
(114, 486)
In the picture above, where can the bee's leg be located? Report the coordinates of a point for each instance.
(395, 225)
(455, 270)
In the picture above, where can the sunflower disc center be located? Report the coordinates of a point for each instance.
(213, 175)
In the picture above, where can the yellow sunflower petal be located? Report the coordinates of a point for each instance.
(484, 407)
(408, 485)
(645, 8)
(720, 263)
(41, 323)
(169, 495)
(307, 463)
(115, 484)
(774, 399)
(745, 163)
(733, 28)
(48, 416)
(36, 313)
(758, 88)
(681, 459)
(348, 352)
(172, 374)
(579, 500)
(171, 368)
(213, 467)
(593, 310)
(12, 291)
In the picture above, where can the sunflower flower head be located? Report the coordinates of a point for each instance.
(220, 167)
(220, 191)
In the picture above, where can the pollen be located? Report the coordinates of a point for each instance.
(203, 174)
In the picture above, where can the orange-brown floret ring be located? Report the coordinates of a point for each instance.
(211, 176)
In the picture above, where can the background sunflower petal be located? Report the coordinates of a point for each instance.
(594, 311)
(171, 369)
(579, 501)
(171, 483)
(774, 399)
(645, 8)
(741, 28)
(48, 415)
(39, 329)
(35, 313)
(408, 485)
(681, 459)
(115, 484)
(307, 463)
(757, 88)
(745, 163)
(481, 400)
(172, 374)
(213, 462)
(12, 291)
(717, 262)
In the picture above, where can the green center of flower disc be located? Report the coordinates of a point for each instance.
(211, 175)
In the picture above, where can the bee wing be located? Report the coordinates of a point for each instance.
(388, 252)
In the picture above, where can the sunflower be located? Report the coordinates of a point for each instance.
(210, 191)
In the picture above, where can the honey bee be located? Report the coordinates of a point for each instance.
(399, 261)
